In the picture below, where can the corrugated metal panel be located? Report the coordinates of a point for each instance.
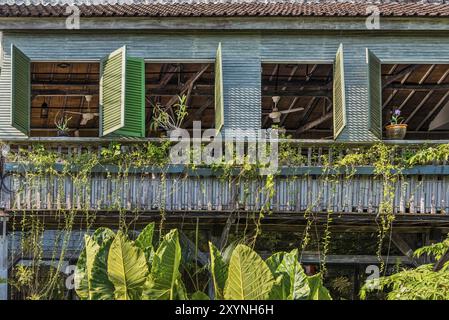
(242, 54)
(219, 101)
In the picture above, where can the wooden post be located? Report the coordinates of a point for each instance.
(3, 257)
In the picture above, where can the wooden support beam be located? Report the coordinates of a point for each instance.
(444, 99)
(197, 114)
(3, 256)
(405, 249)
(421, 81)
(225, 233)
(187, 86)
(428, 95)
(440, 263)
(306, 82)
(201, 257)
(314, 123)
(386, 80)
(391, 96)
(168, 75)
(421, 87)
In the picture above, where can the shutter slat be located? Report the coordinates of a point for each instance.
(374, 93)
(21, 90)
(112, 91)
(219, 101)
(339, 98)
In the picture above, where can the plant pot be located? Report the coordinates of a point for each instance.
(61, 133)
(396, 131)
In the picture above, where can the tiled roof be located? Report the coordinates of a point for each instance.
(223, 8)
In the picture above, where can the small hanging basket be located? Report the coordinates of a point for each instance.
(396, 131)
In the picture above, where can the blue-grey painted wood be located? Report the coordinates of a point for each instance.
(440, 170)
(242, 55)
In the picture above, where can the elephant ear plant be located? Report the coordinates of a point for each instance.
(114, 267)
(111, 266)
(247, 277)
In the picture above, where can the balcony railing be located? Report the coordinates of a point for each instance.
(299, 188)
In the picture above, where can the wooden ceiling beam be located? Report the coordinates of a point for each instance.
(386, 80)
(391, 96)
(439, 104)
(421, 81)
(428, 95)
(284, 116)
(168, 75)
(187, 86)
(198, 113)
(421, 87)
(314, 123)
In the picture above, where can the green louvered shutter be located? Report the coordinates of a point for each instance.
(20, 91)
(134, 99)
(374, 93)
(112, 91)
(339, 93)
(219, 103)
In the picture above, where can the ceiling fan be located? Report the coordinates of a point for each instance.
(86, 116)
(275, 114)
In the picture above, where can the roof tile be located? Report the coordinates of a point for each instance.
(430, 8)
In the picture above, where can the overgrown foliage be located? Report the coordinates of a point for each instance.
(119, 161)
(112, 266)
(421, 283)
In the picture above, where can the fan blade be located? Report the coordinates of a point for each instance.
(292, 110)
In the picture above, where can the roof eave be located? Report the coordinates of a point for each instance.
(357, 23)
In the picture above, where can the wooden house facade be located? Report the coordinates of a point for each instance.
(344, 66)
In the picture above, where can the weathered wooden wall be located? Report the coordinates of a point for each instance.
(179, 192)
(243, 53)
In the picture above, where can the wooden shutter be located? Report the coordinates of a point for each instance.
(134, 99)
(374, 93)
(20, 90)
(219, 103)
(112, 91)
(339, 93)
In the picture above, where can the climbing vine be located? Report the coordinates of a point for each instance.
(40, 170)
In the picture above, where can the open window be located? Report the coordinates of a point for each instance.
(166, 82)
(418, 93)
(64, 94)
(82, 99)
(304, 99)
(199, 83)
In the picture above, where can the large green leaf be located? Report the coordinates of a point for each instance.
(145, 242)
(249, 277)
(83, 275)
(102, 288)
(127, 268)
(199, 296)
(317, 289)
(219, 271)
(162, 282)
(291, 280)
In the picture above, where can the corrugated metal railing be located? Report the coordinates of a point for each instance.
(422, 190)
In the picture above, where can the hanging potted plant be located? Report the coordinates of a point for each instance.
(396, 130)
(62, 125)
(166, 120)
